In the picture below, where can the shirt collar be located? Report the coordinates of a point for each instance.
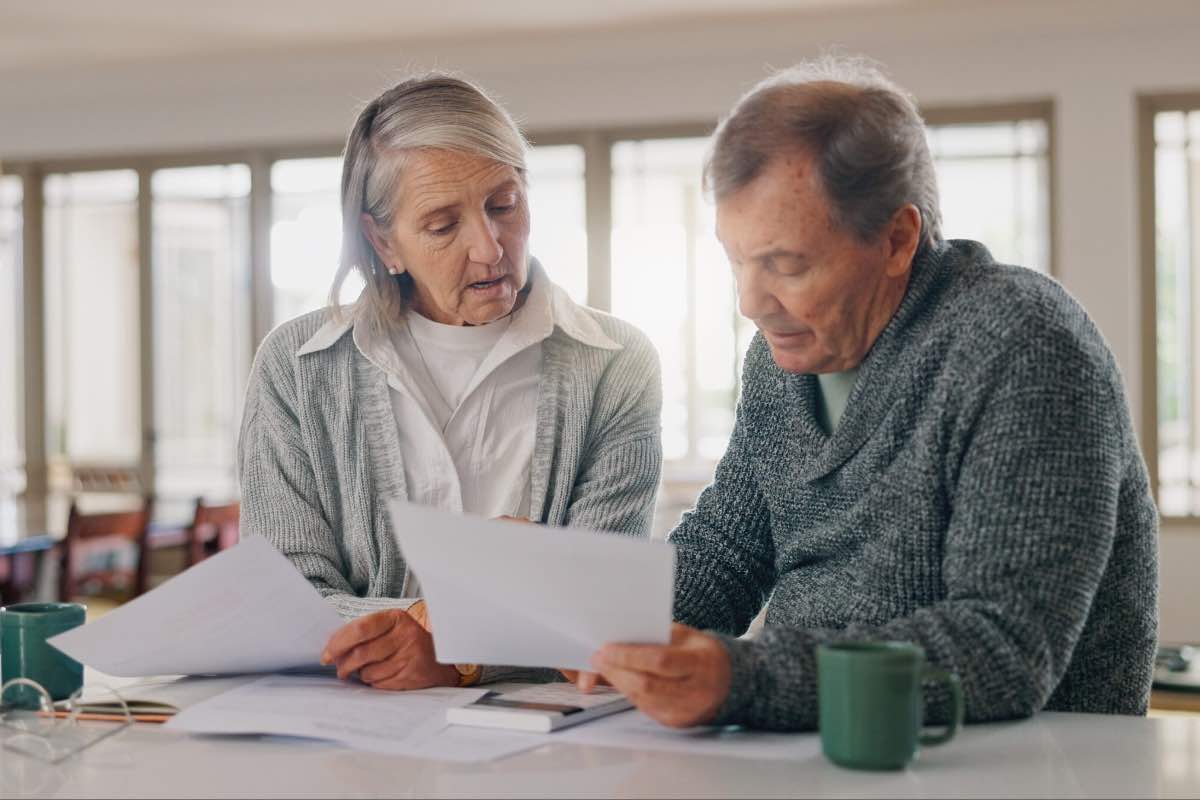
(546, 307)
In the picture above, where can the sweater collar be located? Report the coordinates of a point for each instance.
(878, 381)
(547, 307)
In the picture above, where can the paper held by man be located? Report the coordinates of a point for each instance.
(498, 593)
(529, 596)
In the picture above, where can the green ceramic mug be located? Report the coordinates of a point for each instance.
(870, 703)
(24, 653)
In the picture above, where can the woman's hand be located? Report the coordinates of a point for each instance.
(389, 650)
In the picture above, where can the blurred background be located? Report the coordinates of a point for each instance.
(169, 192)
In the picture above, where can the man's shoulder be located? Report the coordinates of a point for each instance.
(995, 308)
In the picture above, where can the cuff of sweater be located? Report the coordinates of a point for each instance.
(743, 681)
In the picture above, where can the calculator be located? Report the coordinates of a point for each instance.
(540, 708)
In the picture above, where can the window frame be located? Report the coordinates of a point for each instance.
(596, 142)
(1014, 111)
(1148, 106)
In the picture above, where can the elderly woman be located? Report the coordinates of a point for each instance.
(462, 378)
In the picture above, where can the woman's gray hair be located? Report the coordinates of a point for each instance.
(434, 110)
(864, 131)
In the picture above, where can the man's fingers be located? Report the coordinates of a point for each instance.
(355, 632)
(656, 659)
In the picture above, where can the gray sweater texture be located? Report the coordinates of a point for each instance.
(319, 452)
(983, 496)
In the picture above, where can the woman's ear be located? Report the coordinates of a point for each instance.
(379, 241)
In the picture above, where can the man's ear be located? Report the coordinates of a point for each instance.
(902, 235)
(379, 241)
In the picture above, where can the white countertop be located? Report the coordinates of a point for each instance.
(1051, 755)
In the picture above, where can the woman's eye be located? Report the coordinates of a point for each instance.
(443, 230)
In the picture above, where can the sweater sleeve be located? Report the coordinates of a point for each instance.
(617, 483)
(281, 500)
(1033, 520)
(724, 554)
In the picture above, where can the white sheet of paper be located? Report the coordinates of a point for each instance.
(396, 723)
(633, 730)
(529, 596)
(246, 609)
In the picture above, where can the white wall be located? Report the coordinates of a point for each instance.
(1090, 57)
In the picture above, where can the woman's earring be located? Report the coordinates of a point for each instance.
(395, 269)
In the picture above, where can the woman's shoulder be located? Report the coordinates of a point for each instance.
(310, 332)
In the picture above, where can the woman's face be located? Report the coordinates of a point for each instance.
(461, 230)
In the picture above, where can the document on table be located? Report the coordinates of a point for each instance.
(633, 730)
(530, 596)
(246, 609)
(397, 723)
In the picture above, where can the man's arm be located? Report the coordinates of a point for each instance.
(724, 553)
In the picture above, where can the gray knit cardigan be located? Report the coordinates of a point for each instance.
(319, 452)
(983, 496)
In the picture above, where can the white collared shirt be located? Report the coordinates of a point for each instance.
(467, 443)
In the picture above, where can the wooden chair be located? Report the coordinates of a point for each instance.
(106, 537)
(213, 529)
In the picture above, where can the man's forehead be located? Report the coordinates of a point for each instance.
(784, 196)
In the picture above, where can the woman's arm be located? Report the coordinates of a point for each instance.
(280, 492)
(617, 482)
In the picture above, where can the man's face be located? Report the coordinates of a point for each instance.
(819, 295)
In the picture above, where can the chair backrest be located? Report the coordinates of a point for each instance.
(214, 527)
(127, 524)
(131, 525)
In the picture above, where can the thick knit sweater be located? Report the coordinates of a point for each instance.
(983, 496)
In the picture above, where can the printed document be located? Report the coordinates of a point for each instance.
(245, 609)
(398, 723)
(530, 596)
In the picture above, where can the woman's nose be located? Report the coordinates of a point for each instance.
(484, 245)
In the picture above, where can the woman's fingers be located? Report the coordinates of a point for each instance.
(355, 632)
(391, 646)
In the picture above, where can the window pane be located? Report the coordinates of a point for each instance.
(201, 279)
(12, 473)
(995, 188)
(558, 234)
(306, 235)
(671, 279)
(92, 350)
(1177, 251)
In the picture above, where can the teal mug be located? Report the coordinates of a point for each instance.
(24, 652)
(871, 707)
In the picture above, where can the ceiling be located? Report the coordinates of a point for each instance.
(68, 34)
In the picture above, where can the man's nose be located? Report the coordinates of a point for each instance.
(754, 298)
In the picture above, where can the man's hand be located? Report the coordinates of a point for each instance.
(680, 684)
(584, 681)
(389, 650)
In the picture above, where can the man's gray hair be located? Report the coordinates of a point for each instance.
(864, 131)
(435, 110)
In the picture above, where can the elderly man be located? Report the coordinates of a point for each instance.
(929, 446)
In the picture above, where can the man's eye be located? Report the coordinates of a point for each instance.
(503, 209)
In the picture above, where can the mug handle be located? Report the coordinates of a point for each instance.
(950, 681)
